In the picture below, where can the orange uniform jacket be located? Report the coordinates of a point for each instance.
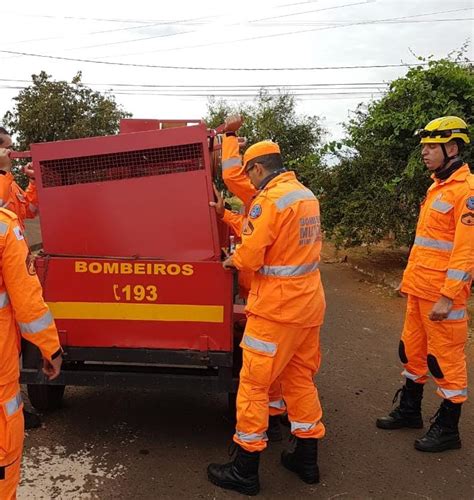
(12, 197)
(281, 244)
(442, 259)
(21, 302)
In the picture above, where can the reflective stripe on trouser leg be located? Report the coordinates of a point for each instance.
(11, 461)
(446, 357)
(259, 370)
(414, 343)
(276, 405)
(299, 391)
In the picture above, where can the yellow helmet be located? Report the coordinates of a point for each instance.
(444, 129)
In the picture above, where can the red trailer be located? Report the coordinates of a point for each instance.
(131, 261)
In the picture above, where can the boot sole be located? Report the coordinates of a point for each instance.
(438, 449)
(391, 427)
(231, 486)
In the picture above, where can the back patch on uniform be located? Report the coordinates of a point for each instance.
(468, 219)
(256, 211)
(470, 203)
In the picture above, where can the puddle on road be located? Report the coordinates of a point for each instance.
(54, 473)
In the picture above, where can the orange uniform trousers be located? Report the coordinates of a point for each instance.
(11, 439)
(435, 347)
(274, 350)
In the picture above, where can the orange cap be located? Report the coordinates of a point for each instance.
(260, 149)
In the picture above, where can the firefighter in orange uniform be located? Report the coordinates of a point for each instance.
(437, 281)
(22, 311)
(281, 243)
(239, 185)
(23, 203)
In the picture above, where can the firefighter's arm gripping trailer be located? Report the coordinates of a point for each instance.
(131, 262)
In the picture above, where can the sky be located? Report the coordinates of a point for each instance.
(164, 59)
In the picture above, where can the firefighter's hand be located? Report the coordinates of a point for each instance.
(233, 123)
(228, 263)
(28, 171)
(52, 368)
(219, 203)
(399, 290)
(5, 161)
(441, 309)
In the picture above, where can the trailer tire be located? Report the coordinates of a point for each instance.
(45, 397)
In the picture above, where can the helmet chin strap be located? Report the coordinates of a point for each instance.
(444, 171)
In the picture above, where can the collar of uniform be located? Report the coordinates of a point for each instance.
(460, 175)
(284, 176)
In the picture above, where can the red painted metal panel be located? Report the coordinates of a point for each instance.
(106, 284)
(143, 194)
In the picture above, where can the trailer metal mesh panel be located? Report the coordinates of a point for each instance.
(126, 165)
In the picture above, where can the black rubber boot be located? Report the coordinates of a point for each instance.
(32, 420)
(240, 475)
(444, 433)
(408, 412)
(274, 433)
(303, 460)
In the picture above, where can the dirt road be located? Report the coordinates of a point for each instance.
(156, 444)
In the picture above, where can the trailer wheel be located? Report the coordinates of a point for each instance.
(45, 397)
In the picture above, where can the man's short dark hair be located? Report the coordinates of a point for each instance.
(3, 131)
(271, 162)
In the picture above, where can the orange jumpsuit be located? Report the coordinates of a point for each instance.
(23, 203)
(281, 243)
(441, 263)
(22, 311)
(239, 185)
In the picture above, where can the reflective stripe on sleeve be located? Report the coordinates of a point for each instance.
(442, 206)
(289, 198)
(457, 314)
(13, 405)
(231, 162)
(430, 243)
(451, 393)
(37, 325)
(458, 274)
(3, 228)
(302, 426)
(251, 437)
(4, 300)
(259, 345)
(288, 271)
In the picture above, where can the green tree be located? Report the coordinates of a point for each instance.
(49, 110)
(274, 117)
(375, 189)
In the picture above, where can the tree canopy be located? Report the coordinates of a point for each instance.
(375, 189)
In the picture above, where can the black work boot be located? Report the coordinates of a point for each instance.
(443, 434)
(303, 460)
(408, 412)
(240, 475)
(32, 420)
(274, 433)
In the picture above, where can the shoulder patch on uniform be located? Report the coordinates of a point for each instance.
(468, 219)
(470, 203)
(256, 211)
(18, 233)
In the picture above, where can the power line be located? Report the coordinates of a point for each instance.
(298, 32)
(207, 68)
